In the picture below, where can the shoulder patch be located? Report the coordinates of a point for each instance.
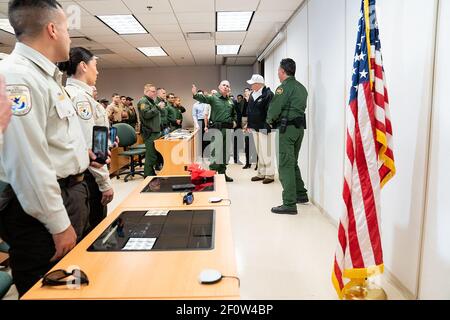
(279, 91)
(20, 97)
(84, 110)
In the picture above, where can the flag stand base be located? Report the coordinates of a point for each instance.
(362, 289)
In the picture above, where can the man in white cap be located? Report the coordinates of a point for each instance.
(258, 104)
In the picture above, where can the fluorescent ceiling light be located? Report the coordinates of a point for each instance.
(123, 24)
(227, 49)
(6, 26)
(233, 21)
(153, 51)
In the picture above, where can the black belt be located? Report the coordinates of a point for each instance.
(222, 125)
(71, 181)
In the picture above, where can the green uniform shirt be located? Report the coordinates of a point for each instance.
(222, 109)
(290, 95)
(171, 114)
(164, 113)
(149, 115)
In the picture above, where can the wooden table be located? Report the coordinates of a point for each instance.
(153, 274)
(137, 199)
(177, 154)
(149, 275)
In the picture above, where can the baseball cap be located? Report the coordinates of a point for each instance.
(129, 99)
(256, 78)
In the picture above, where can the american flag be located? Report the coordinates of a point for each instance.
(369, 161)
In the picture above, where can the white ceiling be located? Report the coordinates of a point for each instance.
(168, 22)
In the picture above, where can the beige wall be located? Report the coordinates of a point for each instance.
(130, 82)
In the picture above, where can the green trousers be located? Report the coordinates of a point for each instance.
(291, 180)
(151, 157)
(219, 162)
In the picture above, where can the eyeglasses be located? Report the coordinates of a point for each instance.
(61, 277)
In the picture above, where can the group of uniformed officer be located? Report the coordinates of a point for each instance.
(44, 209)
(286, 113)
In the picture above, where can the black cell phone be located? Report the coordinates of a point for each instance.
(183, 187)
(100, 144)
(112, 135)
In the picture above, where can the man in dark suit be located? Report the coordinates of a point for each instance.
(258, 104)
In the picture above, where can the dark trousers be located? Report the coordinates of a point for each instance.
(31, 245)
(246, 147)
(204, 144)
(97, 211)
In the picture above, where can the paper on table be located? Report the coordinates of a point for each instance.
(139, 244)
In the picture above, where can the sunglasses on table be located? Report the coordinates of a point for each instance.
(62, 277)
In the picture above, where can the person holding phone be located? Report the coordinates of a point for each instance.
(81, 69)
(44, 208)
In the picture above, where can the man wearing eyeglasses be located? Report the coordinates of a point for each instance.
(223, 118)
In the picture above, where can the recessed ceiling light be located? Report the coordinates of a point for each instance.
(153, 51)
(123, 24)
(233, 21)
(227, 49)
(6, 26)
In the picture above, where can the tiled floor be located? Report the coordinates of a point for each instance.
(278, 257)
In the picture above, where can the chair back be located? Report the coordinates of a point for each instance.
(126, 134)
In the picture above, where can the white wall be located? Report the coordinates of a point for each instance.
(238, 76)
(435, 279)
(329, 28)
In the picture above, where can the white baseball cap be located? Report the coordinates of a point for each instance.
(256, 78)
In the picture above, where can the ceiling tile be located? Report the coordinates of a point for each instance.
(152, 19)
(236, 5)
(164, 28)
(168, 36)
(196, 17)
(103, 7)
(271, 16)
(192, 5)
(270, 5)
(140, 6)
(238, 36)
(198, 27)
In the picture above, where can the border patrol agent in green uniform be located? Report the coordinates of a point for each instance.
(223, 118)
(150, 116)
(171, 112)
(287, 114)
(162, 97)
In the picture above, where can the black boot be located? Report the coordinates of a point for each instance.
(285, 210)
(228, 179)
(303, 199)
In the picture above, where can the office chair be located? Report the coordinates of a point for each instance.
(127, 137)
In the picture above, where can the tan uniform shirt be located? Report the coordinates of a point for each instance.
(42, 142)
(115, 112)
(89, 115)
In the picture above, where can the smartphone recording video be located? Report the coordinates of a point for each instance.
(100, 144)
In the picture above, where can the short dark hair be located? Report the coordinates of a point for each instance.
(121, 97)
(115, 95)
(171, 94)
(76, 56)
(130, 99)
(288, 65)
(248, 89)
(160, 89)
(240, 95)
(29, 17)
(199, 91)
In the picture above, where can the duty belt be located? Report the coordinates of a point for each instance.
(71, 181)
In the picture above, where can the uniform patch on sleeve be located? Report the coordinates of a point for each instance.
(84, 110)
(20, 97)
(280, 91)
(141, 106)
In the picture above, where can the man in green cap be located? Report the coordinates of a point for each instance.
(150, 116)
(223, 118)
(287, 114)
